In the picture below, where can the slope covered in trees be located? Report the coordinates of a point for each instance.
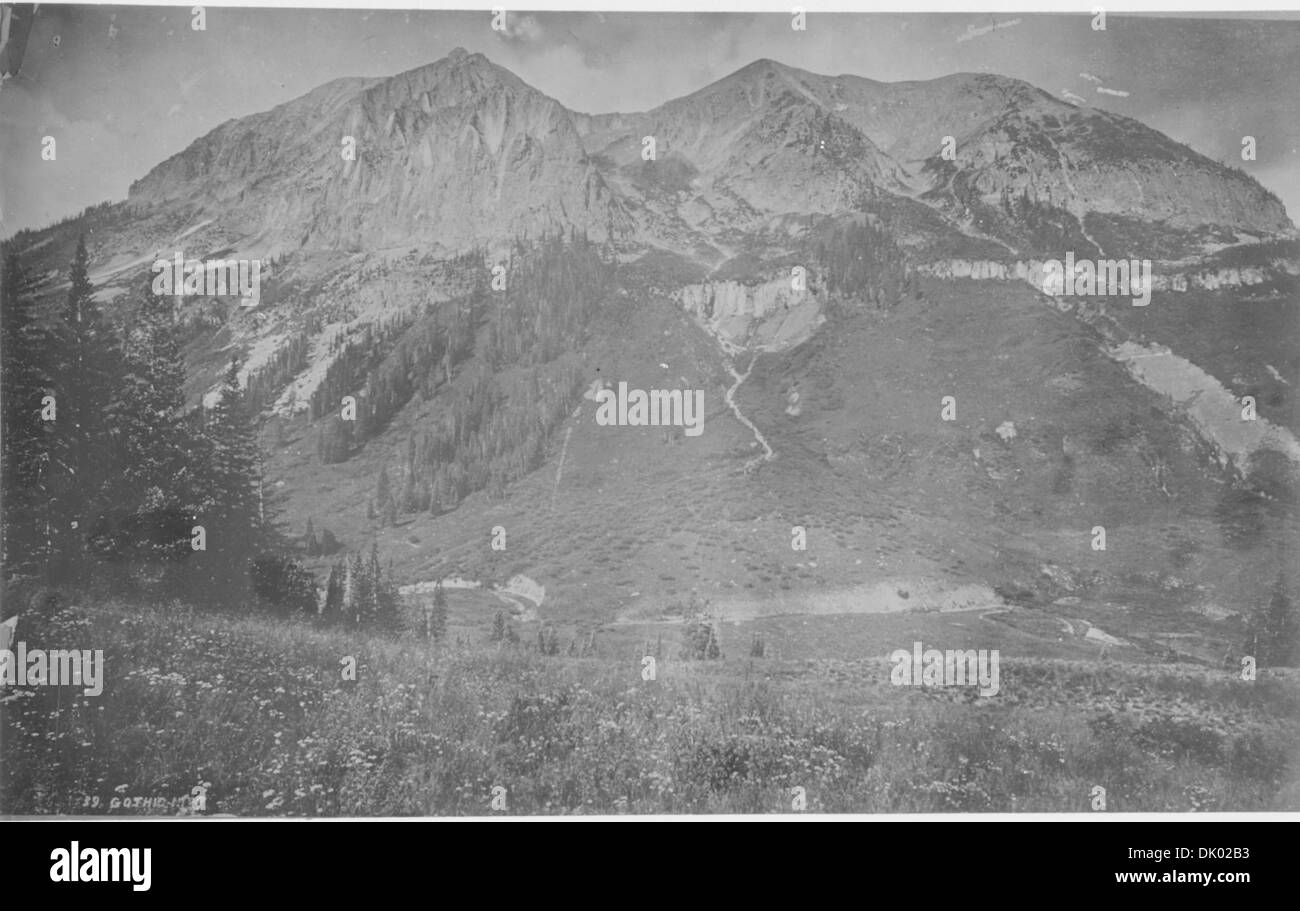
(109, 479)
(496, 363)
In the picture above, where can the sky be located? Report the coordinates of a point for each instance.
(123, 88)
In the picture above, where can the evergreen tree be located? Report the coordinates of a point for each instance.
(157, 464)
(85, 362)
(328, 543)
(309, 539)
(387, 602)
(229, 507)
(360, 605)
(713, 651)
(438, 614)
(24, 352)
(384, 496)
(332, 613)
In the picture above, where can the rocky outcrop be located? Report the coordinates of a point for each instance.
(1212, 409)
(1164, 276)
(770, 316)
(447, 155)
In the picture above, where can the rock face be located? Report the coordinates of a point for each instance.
(462, 152)
(773, 139)
(450, 154)
(1211, 407)
(1164, 277)
(770, 316)
(1091, 161)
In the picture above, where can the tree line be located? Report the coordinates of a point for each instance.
(108, 476)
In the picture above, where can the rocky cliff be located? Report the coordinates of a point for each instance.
(447, 155)
(768, 316)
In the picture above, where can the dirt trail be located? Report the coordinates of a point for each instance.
(740, 378)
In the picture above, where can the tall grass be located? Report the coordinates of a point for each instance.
(259, 712)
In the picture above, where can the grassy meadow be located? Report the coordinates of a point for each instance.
(259, 713)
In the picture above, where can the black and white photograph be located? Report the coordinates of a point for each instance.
(681, 413)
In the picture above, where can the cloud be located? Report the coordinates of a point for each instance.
(1116, 92)
(1091, 78)
(1071, 97)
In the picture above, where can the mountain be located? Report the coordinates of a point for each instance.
(822, 399)
(447, 155)
(462, 152)
(770, 140)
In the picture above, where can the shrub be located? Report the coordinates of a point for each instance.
(700, 642)
(282, 586)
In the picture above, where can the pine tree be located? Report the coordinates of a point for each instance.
(309, 539)
(387, 613)
(332, 613)
(438, 614)
(229, 507)
(328, 543)
(157, 459)
(24, 436)
(360, 606)
(383, 496)
(85, 362)
(498, 628)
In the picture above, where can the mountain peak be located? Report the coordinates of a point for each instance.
(459, 57)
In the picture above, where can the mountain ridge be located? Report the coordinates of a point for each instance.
(734, 143)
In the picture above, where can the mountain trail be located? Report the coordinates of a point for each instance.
(740, 378)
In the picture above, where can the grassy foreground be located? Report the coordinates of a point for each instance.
(258, 711)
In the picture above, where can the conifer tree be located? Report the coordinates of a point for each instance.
(229, 508)
(713, 651)
(383, 494)
(387, 614)
(328, 543)
(438, 614)
(85, 361)
(309, 539)
(360, 606)
(24, 352)
(157, 461)
(332, 613)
